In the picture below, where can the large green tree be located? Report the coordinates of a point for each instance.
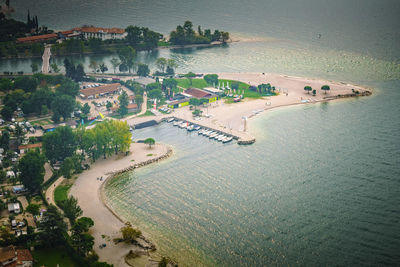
(59, 144)
(211, 79)
(127, 56)
(52, 228)
(32, 170)
(71, 209)
(143, 70)
(123, 104)
(62, 106)
(325, 88)
(161, 63)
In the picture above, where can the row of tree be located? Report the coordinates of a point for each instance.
(186, 35)
(323, 87)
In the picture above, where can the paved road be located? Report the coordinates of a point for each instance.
(50, 191)
(46, 59)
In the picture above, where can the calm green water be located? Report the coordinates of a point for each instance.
(320, 186)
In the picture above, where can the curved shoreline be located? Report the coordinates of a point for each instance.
(107, 223)
(115, 174)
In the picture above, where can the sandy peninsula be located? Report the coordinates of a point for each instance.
(230, 118)
(87, 189)
(219, 115)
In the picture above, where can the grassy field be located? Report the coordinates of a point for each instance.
(42, 122)
(61, 193)
(201, 83)
(51, 257)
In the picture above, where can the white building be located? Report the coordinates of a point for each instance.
(101, 33)
(14, 207)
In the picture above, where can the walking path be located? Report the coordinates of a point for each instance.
(50, 190)
(46, 59)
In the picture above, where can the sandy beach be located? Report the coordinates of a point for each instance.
(230, 117)
(87, 189)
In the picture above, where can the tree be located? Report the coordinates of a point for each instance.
(33, 209)
(32, 170)
(308, 89)
(325, 88)
(5, 140)
(139, 100)
(67, 167)
(62, 106)
(27, 84)
(93, 65)
(103, 67)
(115, 63)
(69, 68)
(127, 56)
(123, 67)
(149, 141)
(134, 36)
(59, 144)
(86, 109)
(314, 92)
(161, 63)
(155, 93)
(143, 70)
(79, 73)
(71, 209)
(55, 68)
(109, 105)
(224, 37)
(171, 65)
(211, 79)
(190, 76)
(19, 134)
(6, 85)
(123, 104)
(34, 67)
(7, 113)
(52, 227)
(129, 234)
(67, 87)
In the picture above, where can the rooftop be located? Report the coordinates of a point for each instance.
(197, 93)
(100, 30)
(103, 89)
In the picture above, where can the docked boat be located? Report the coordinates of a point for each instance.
(183, 125)
(228, 139)
(170, 120)
(176, 123)
(221, 137)
(213, 135)
(190, 128)
(196, 128)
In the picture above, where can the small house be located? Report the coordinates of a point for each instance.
(10, 256)
(14, 207)
(18, 189)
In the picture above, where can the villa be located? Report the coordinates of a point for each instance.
(182, 99)
(101, 33)
(99, 91)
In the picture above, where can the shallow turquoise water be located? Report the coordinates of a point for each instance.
(319, 187)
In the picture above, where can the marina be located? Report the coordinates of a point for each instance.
(216, 135)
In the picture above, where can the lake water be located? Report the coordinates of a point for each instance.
(321, 186)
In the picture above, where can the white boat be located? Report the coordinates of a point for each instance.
(176, 123)
(183, 125)
(208, 133)
(196, 128)
(190, 128)
(213, 135)
(228, 139)
(201, 132)
(170, 120)
(221, 137)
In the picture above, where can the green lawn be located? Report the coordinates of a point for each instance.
(201, 83)
(51, 257)
(61, 193)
